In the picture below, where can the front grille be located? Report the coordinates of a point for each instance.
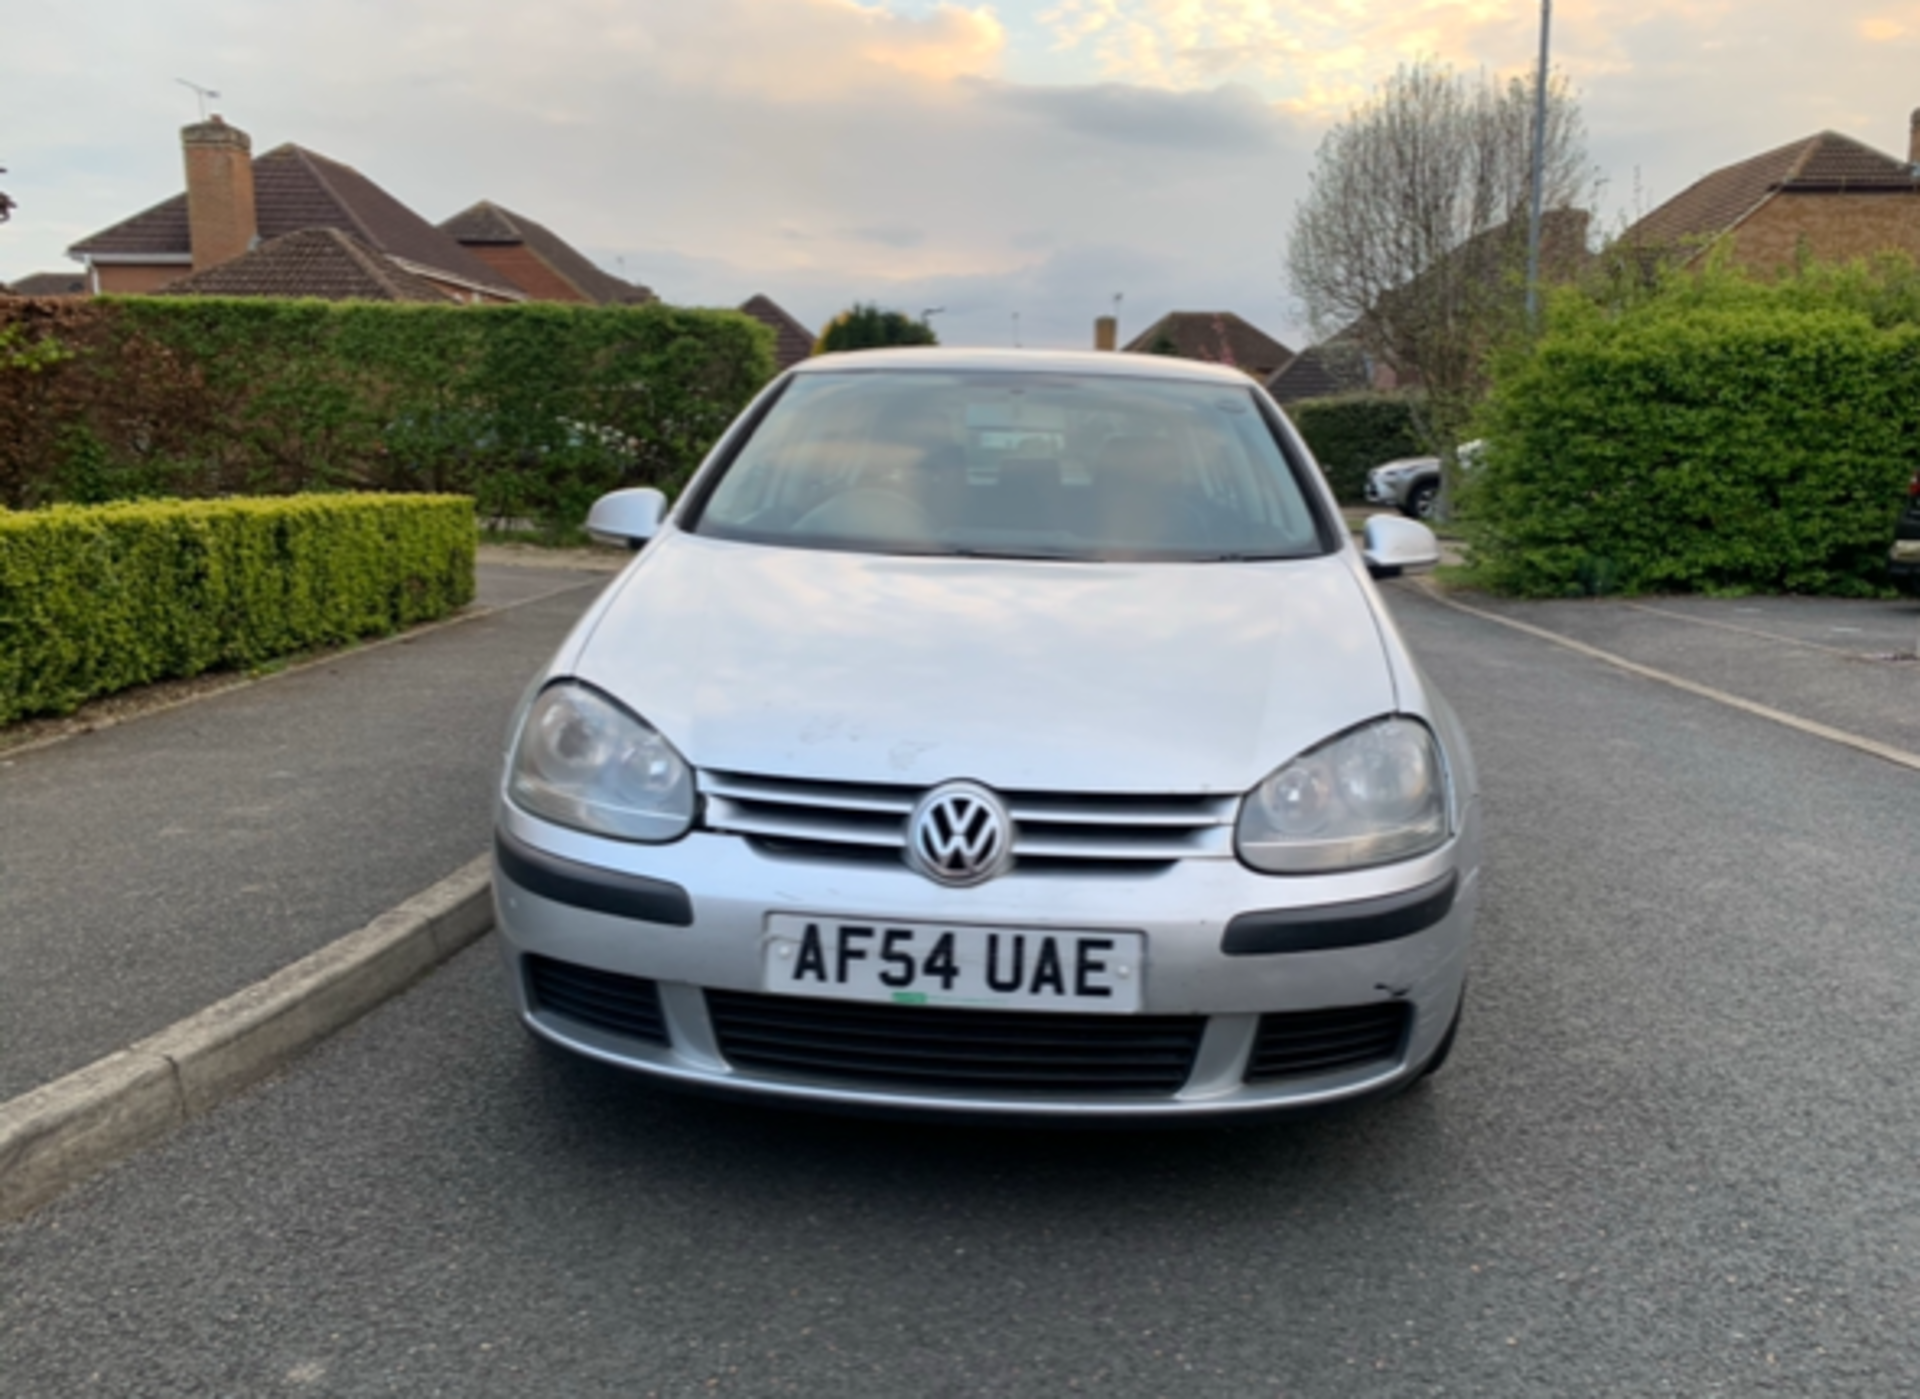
(935, 1047)
(1301, 1043)
(1052, 830)
(621, 1005)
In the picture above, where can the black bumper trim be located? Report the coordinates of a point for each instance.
(1332, 926)
(582, 886)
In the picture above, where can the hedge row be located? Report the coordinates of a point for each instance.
(1722, 435)
(533, 409)
(1353, 433)
(93, 600)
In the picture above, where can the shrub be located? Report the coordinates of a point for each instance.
(1722, 435)
(1353, 433)
(534, 409)
(96, 599)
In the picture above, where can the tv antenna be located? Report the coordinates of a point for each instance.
(203, 93)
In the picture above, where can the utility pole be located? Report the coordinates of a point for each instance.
(1539, 166)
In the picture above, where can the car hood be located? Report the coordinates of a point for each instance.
(1024, 675)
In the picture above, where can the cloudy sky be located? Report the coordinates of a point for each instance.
(1016, 163)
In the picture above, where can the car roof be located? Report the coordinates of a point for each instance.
(1105, 363)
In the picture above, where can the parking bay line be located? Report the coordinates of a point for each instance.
(1840, 651)
(1873, 748)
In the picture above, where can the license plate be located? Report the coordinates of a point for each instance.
(937, 964)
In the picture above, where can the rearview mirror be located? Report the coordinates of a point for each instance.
(627, 518)
(1391, 546)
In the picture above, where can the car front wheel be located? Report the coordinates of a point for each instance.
(1421, 500)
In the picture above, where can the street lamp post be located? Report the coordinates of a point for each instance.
(1539, 165)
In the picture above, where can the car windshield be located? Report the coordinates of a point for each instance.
(1027, 465)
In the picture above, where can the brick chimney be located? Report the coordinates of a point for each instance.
(220, 213)
(1106, 332)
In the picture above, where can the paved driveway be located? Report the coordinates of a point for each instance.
(149, 869)
(1675, 1153)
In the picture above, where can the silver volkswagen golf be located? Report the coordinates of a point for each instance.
(995, 733)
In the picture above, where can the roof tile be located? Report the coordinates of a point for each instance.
(295, 189)
(1219, 337)
(1719, 202)
(488, 223)
(792, 342)
(320, 262)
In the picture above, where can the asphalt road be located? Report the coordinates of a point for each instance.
(1677, 1151)
(149, 869)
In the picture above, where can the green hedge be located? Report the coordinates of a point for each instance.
(94, 600)
(532, 409)
(1722, 435)
(1353, 433)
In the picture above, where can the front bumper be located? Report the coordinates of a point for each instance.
(1903, 562)
(1383, 493)
(688, 919)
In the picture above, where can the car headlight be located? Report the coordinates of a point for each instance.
(581, 760)
(1369, 797)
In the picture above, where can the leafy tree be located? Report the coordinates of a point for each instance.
(867, 327)
(1412, 238)
(7, 206)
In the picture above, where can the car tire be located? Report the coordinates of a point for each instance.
(1421, 500)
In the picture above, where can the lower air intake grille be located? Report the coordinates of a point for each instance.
(927, 1047)
(1296, 1044)
(621, 1005)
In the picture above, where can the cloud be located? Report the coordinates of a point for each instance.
(1321, 59)
(887, 235)
(1891, 25)
(1218, 119)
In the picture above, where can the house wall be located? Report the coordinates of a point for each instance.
(132, 279)
(520, 266)
(1837, 227)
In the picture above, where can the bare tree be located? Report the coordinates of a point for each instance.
(1411, 241)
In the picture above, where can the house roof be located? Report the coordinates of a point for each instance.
(1217, 336)
(1321, 371)
(1824, 164)
(49, 284)
(322, 262)
(294, 189)
(486, 223)
(792, 342)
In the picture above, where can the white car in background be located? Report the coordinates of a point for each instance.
(1411, 485)
(995, 733)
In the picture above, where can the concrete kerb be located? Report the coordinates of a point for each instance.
(56, 1136)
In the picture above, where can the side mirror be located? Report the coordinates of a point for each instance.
(627, 518)
(1392, 545)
